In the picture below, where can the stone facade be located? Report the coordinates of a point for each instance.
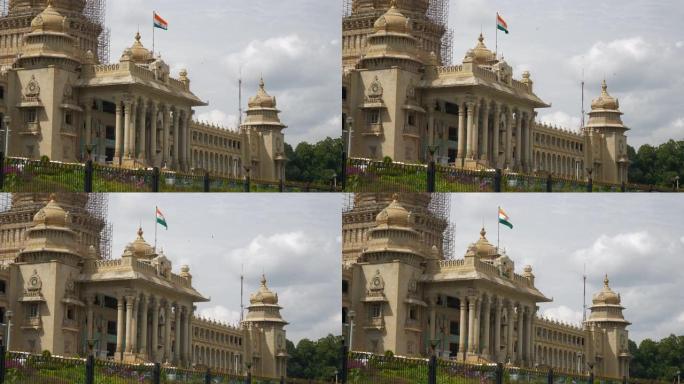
(64, 297)
(60, 102)
(403, 295)
(402, 103)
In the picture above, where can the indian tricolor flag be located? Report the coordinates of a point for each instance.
(159, 21)
(501, 24)
(504, 219)
(161, 220)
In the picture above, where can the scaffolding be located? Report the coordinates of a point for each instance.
(440, 207)
(346, 8)
(95, 11)
(98, 207)
(438, 13)
(5, 202)
(4, 7)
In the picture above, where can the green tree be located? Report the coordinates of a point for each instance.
(657, 359)
(657, 165)
(318, 360)
(314, 162)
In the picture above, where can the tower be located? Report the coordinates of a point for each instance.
(264, 149)
(608, 349)
(267, 341)
(607, 144)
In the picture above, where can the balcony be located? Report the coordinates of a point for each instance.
(411, 131)
(373, 129)
(68, 130)
(32, 129)
(33, 323)
(376, 323)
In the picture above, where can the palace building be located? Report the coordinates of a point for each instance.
(402, 102)
(402, 295)
(60, 101)
(61, 295)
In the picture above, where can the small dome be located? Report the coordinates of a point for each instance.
(481, 54)
(138, 53)
(393, 21)
(483, 247)
(262, 99)
(394, 215)
(52, 215)
(264, 295)
(139, 247)
(49, 20)
(606, 296)
(605, 101)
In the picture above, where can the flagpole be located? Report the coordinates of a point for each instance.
(155, 228)
(153, 13)
(498, 225)
(496, 33)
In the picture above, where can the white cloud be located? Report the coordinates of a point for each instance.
(561, 119)
(564, 314)
(221, 314)
(220, 118)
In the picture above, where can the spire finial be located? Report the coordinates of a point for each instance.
(481, 38)
(393, 4)
(261, 82)
(606, 281)
(263, 280)
(137, 36)
(483, 232)
(140, 231)
(49, 3)
(604, 86)
(395, 197)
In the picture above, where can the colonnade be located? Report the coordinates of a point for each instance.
(561, 359)
(144, 329)
(487, 328)
(218, 359)
(561, 165)
(215, 162)
(148, 132)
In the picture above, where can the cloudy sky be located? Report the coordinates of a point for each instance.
(637, 45)
(638, 240)
(294, 239)
(293, 44)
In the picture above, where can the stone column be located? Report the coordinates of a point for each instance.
(155, 329)
(530, 143)
(476, 326)
(518, 139)
(134, 325)
(166, 121)
(153, 133)
(521, 337)
(127, 128)
(88, 109)
(120, 305)
(476, 132)
(469, 127)
(485, 133)
(176, 138)
(461, 131)
(186, 141)
(129, 321)
(119, 132)
(177, 349)
(143, 132)
(472, 303)
(167, 332)
(89, 317)
(134, 129)
(530, 337)
(462, 327)
(495, 136)
(509, 347)
(188, 336)
(497, 330)
(143, 325)
(487, 326)
(509, 138)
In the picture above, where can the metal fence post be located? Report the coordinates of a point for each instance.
(281, 185)
(155, 179)
(497, 180)
(282, 379)
(90, 370)
(206, 181)
(345, 361)
(623, 187)
(591, 377)
(549, 183)
(432, 370)
(590, 185)
(431, 176)
(88, 177)
(248, 379)
(156, 374)
(2, 174)
(207, 377)
(246, 184)
(499, 373)
(549, 378)
(2, 356)
(624, 379)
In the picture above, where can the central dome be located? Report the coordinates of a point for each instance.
(605, 101)
(394, 215)
(140, 54)
(139, 247)
(606, 296)
(52, 215)
(393, 21)
(484, 248)
(262, 98)
(264, 295)
(50, 20)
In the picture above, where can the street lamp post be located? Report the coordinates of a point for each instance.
(8, 314)
(349, 131)
(351, 316)
(6, 131)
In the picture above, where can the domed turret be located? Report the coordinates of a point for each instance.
(139, 247)
(50, 20)
(262, 98)
(264, 295)
(605, 100)
(606, 296)
(481, 54)
(393, 21)
(394, 215)
(138, 53)
(52, 215)
(483, 248)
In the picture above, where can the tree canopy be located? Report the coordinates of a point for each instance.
(657, 165)
(318, 162)
(318, 360)
(657, 359)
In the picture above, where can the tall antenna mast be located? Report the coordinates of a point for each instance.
(242, 280)
(582, 97)
(584, 294)
(240, 99)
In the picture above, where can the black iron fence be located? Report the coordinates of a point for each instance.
(23, 175)
(23, 368)
(364, 368)
(364, 175)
